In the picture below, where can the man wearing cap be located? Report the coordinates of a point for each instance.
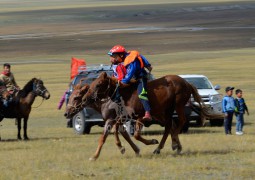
(228, 108)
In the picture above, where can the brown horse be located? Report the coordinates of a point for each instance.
(4, 96)
(20, 107)
(109, 111)
(166, 94)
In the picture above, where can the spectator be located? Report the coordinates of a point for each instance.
(239, 111)
(62, 100)
(228, 108)
(65, 98)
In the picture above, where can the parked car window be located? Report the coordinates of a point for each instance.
(199, 83)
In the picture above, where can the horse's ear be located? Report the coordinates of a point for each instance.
(81, 80)
(34, 79)
(73, 86)
(103, 75)
(85, 88)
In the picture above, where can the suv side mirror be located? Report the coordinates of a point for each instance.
(217, 87)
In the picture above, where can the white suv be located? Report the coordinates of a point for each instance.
(209, 94)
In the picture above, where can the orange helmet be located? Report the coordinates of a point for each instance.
(117, 49)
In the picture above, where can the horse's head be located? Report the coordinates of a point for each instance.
(75, 104)
(39, 89)
(99, 89)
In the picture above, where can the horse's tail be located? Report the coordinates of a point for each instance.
(200, 107)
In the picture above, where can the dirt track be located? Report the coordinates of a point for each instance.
(154, 29)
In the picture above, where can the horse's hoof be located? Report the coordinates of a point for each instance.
(138, 154)
(174, 147)
(26, 139)
(122, 150)
(154, 141)
(157, 151)
(179, 150)
(19, 138)
(92, 159)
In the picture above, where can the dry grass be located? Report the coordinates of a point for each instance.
(55, 152)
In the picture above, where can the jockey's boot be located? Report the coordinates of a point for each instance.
(147, 116)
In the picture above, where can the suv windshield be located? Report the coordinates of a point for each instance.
(199, 82)
(89, 73)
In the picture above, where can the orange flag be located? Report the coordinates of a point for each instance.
(75, 65)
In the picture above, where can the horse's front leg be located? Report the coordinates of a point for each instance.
(137, 135)
(25, 128)
(19, 128)
(117, 139)
(125, 134)
(107, 128)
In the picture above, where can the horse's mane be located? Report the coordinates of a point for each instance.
(27, 88)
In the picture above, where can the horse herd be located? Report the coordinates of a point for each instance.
(166, 95)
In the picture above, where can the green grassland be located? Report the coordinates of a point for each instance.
(226, 57)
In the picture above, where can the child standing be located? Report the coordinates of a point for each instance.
(239, 111)
(228, 108)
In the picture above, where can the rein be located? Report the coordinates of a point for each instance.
(107, 92)
(41, 92)
(39, 104)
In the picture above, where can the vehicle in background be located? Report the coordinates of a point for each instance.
(88, 117)
(210, 96)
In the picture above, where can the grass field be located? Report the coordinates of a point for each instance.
(225, 55)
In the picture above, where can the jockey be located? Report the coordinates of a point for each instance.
(134, 64)
(119, 72)
(8, 80)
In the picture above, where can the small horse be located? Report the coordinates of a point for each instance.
(109, 111)
(165, 94)
(20, 107)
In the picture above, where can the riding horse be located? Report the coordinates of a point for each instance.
(109, 111)
(165, 94)
(21, 104)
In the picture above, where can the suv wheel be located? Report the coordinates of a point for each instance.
(80, 125)
(216, 122)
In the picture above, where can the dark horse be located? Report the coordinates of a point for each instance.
(166, 94)
(109, 111)
(20, 107)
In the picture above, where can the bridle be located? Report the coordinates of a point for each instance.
(38, 91)
(94, 96)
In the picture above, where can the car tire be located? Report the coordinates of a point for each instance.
(130, 127)
(80, 126)
(216, 122)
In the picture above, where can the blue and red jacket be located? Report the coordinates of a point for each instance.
(119, 71)
(135, 63)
